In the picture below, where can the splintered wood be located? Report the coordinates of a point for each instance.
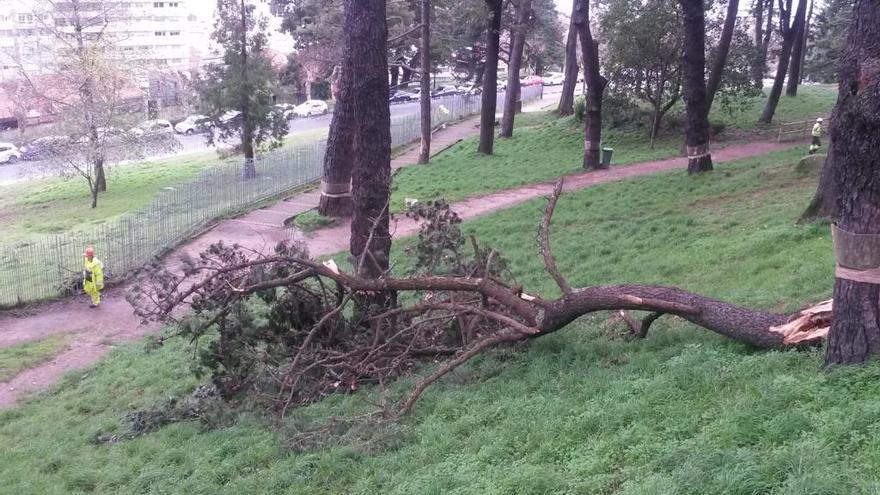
(810, 325)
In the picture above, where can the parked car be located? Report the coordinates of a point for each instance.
(401, 97)
(104, 134)
(157, 126)
(230, 119)
(44, 147)
(311, 107)
(554, 79)
(9, 153)
(193, 124)
(286, 109)
(531, 81)
(446, 91)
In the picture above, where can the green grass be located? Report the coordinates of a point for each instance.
(52, 205)
(312, 220)
(810, 102)
(580, 411)
(20, 357)
(545, 147)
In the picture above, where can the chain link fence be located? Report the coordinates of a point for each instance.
(50, 266)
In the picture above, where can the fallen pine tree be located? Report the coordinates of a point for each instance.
(310, 337)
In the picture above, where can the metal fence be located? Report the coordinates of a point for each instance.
(50, 266)
(792, 131)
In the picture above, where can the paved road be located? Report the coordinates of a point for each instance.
(27, 170)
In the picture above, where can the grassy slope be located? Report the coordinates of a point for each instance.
(545, 147)
(55, 205)
(15, 359)
(581, 411)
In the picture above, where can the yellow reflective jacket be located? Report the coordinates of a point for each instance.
(817, 130)
(94, 272)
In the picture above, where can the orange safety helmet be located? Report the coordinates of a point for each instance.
(90, 252)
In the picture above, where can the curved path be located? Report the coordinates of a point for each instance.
(95, 332)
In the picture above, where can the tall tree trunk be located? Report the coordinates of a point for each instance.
(723, 50)
(406, 78)
(763, 33)
(512, 95)
(336, 181)
(395, 75)
(595, 85)
(98, 183)
(694, 90)
(789, 36)
(425, 83)
(805, 38)
(247, 131)
(100, 175)
(823, 204)
(794, 75)
(566, 99)
(758, 61)
(371, 179)
(855, 145)
(490, 78)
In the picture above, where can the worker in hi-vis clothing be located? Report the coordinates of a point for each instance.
(93, 276)
(817, 133)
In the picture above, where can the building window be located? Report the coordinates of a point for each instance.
(25, 18)
(158, 4)
(174, 33)
(160, 33)
(173, 4)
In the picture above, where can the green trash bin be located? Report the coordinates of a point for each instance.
(606, 156)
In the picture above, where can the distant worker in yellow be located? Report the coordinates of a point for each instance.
(93, 276)
(817, 133)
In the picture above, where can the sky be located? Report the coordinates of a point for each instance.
(563, 6)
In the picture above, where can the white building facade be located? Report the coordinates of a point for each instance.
(152, 34)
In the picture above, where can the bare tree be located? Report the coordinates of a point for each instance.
(79, 77)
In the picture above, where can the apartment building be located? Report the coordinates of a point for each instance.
(160, 34)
